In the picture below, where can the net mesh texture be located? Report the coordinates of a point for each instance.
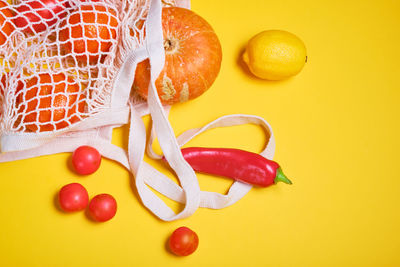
(58, 61)
(66, 70)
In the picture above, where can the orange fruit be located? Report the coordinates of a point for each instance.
(49, 102)
(89, 29)
(6, 26)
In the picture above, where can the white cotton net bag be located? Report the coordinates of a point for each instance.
(66, 81)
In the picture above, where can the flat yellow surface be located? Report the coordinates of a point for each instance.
(337, 131)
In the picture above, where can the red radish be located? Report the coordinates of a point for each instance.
(102, 207)
(86, 160)
(73, 197)
(35, 16)
(183, 241)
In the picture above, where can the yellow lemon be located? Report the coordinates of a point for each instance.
(275, 55)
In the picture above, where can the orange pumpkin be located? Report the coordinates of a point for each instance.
(192, 58)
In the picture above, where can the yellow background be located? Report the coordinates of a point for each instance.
(337, 132)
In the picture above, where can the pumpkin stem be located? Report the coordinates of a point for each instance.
(167, 44)
(171, 45)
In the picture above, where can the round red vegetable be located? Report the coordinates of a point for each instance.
(193, 57)
(73, 197)
(86, 160)
(102, 207)
(183, 241)
(36, 16)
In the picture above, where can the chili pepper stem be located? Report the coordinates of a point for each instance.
(280, 177)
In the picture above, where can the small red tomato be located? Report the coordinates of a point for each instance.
(183, 241)
(86, 160)
(102, 207)
(73, 197)
(39, 14)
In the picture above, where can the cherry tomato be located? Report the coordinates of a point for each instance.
(36, 16)
(73, 197)
(183, 241)
(102, 207)
(86, 160)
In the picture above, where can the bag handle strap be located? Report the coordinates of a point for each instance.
(165, 134)
(212, 200)
(189, 192)
(99, 138)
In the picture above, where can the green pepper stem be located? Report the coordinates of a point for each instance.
(280, 177)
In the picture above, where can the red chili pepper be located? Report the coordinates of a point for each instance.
(240, 165)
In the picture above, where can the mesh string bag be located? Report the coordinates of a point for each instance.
(66, 81)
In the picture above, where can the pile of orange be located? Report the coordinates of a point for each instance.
(53, 101)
